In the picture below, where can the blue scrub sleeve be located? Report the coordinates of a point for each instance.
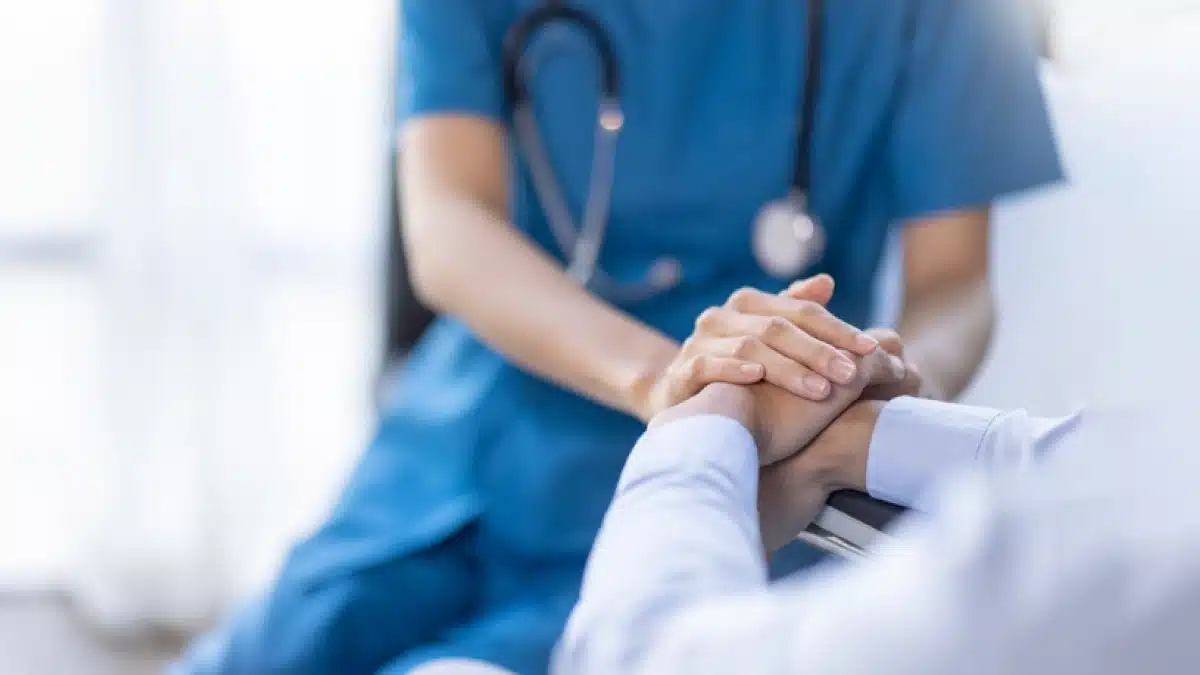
(971, 123)
(449, 58)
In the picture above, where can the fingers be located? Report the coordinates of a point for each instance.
(881, 367)
(708, 369)
(811, 317)
(911, 385)
(789, 498)
(889, 340)
(779, 370)
(818, 289)
(693, 374)
(782, 337)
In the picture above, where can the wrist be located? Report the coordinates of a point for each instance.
(732, 401)
(637, 390)
(726, 400)
(844, 447)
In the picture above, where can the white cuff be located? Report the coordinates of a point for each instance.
(917, 441)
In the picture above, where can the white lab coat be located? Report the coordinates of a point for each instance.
(1090, 563)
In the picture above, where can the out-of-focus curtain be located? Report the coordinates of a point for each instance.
(191, 232)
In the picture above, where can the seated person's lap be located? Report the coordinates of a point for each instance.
(518, 637)
(350, 622)
(444, 602)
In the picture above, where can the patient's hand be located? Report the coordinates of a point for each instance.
(911, 385)
(791, 493)
(785, 424)
(809, 449)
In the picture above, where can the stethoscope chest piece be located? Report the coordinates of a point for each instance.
(786, 239)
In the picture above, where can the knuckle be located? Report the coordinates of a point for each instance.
(890, 341)
(745, 346)
(708, 319)
(877, 367)
(828, 354)
(741, 297)
(774, 327)
(808, 309)
(886, 335)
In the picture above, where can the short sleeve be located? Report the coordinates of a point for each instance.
(448, 60)
(971, 123)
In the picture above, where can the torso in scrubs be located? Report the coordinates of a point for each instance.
(465, 528)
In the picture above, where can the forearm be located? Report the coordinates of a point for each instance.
(947, 331)
(793, 492)
(467, 260)
(898, 450)
(681, 529)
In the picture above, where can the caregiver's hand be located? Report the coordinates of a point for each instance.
(912, 384)
(795, 344)
(792, 491)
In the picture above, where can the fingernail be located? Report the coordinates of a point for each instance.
(842, 369)
(865, 342)
(898, 368)
(751, 368)
(815, 383)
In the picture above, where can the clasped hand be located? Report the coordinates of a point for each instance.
(811, 439)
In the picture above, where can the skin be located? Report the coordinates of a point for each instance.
(454, 178)
(792, 489)
(809, 450)
(948, 313)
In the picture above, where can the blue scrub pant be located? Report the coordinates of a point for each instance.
(463, 598)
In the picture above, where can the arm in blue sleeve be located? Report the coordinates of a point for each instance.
(971, 123)
(683, 527)
(449, 58)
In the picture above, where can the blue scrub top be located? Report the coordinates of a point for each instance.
(925, 106)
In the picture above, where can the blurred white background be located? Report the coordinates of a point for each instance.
(191, 221)
(191, 203)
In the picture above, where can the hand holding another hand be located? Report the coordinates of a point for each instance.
(808, 448)
(784, 424)
(794, 343)
(891, 342)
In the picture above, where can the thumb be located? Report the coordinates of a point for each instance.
(818, 289)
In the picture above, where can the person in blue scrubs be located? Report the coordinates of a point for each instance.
(464, 529)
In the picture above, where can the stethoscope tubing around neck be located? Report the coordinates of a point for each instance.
(802, 180)
(581, 243)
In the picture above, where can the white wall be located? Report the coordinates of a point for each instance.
(1097, 282)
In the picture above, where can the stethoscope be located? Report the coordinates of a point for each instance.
(787, 238)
